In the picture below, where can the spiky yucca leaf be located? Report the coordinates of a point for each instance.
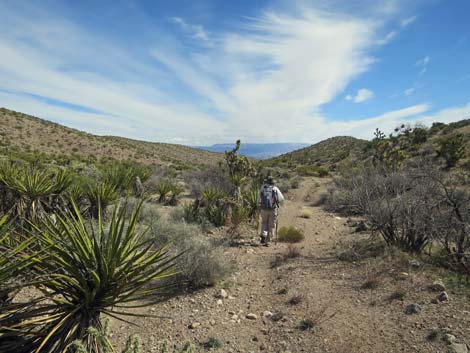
(92, 271)
(250, 200)
(100, 195)
(212, 194)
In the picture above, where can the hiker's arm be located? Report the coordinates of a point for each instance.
(279, 196)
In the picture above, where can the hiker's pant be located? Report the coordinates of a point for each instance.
(268, 222)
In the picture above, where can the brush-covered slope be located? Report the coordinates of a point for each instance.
(22, 133)
(413, 142)
(326, 153)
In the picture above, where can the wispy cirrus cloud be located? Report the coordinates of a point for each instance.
(423, 64)
(264, 79)
(196, 31)
(408, 21)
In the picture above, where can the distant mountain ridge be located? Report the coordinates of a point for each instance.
(257, 150)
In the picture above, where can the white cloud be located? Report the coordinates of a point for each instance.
(409, 91)
(362, 95)
(407, 21)
(388, 38)
(196, 31)
(423, 64)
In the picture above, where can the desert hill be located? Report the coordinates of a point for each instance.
(25, 133)
(416, 141)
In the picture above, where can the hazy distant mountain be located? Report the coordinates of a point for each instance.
(257, 150)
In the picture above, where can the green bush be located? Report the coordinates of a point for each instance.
(290, 235)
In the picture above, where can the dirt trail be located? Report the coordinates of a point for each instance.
(346, 318)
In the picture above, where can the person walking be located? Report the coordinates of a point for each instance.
(269, 200)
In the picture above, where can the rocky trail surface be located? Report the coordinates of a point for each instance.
(278, 302)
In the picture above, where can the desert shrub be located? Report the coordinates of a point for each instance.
(310, 170)
(238, 214)
(291, 252)
(306, 214)
(283, 185)
(409, 208)
(290, 235)
(200, 180)
(202, 262)
(213, 342)
(149, 212)
(452, 149)
(294, 182)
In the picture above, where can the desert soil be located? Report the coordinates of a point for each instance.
(346, 317)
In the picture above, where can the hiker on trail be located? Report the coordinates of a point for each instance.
(269, 199)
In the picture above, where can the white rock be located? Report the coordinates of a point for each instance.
(267, 314)
(251, 316)
(222, 294)
(194, 325)
(449, 339)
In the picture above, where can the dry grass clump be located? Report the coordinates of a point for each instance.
(307, 214)
(297, 298)
(290, 235)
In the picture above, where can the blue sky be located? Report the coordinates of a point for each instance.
(212, 71)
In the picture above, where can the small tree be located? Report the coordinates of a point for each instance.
(239, 169)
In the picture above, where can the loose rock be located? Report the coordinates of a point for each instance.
(448, 338)
(413, 309)
(458, 348)
(222, 294)
(443, 297)
(438, 286)
(251, 316)
(194, 325)
(267, 314)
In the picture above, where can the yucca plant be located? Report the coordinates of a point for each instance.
(250, 201)
(100, 195)
(123, 175)
(212, 194)
(33, 189)
(237, 215)
(163, 189)
(176, 190)
(93, 271)
(215, 214)
(16, 256)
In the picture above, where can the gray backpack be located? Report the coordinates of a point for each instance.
(268, 197)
